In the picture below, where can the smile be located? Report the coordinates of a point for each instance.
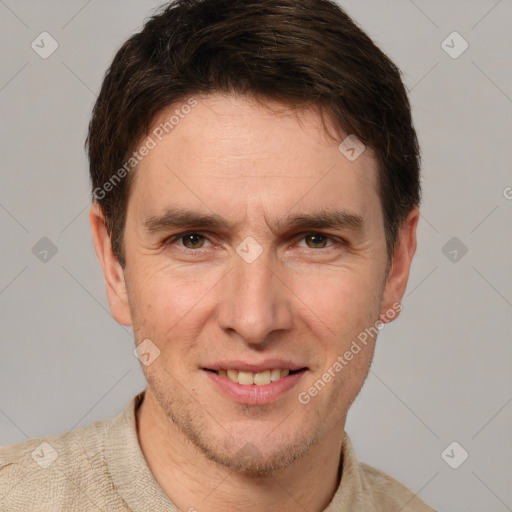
(257, 379)
(254, 388)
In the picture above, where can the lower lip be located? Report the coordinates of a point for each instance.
(253, 394)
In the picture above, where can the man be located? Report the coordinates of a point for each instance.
(255, 178)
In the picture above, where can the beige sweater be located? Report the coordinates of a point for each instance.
(101, 468)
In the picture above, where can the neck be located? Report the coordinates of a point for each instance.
(194, 483)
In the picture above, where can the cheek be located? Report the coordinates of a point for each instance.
(165, 302)
(341, 300)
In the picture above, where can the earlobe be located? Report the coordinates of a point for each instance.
(398, 274)
(113, 273)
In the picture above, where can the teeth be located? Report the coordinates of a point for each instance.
(275, 375)
(259, 379)
(233, 375)
(245, 378)
(262, 378)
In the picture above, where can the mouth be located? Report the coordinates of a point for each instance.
(262, 378)
(260, 386)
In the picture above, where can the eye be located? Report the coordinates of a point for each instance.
(190, 240)
(317, 241)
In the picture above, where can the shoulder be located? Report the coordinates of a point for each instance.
(385, 491)
(54, 472)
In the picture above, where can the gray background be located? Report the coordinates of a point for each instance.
(441, 372)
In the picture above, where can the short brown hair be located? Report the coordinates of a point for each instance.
(299, 53)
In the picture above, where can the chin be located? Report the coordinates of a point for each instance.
(257, 453)
(245, 445)
(249, 459)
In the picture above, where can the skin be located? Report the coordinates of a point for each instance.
(303, 299)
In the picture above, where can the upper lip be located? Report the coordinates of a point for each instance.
(267, 364)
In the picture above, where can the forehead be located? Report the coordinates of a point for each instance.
(232, 155)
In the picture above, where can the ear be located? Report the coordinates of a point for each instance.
(398, 274)
(112, 271)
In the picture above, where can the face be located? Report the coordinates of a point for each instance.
(255, 252)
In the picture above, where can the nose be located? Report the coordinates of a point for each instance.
(255, 302)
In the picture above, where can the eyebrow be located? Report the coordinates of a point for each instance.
(179, 218)
(324, 219)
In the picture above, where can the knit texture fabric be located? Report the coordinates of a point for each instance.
(101, 468)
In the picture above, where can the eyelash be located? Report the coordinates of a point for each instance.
(336, 242)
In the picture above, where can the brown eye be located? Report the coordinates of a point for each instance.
(193, 240)
(316, 241)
